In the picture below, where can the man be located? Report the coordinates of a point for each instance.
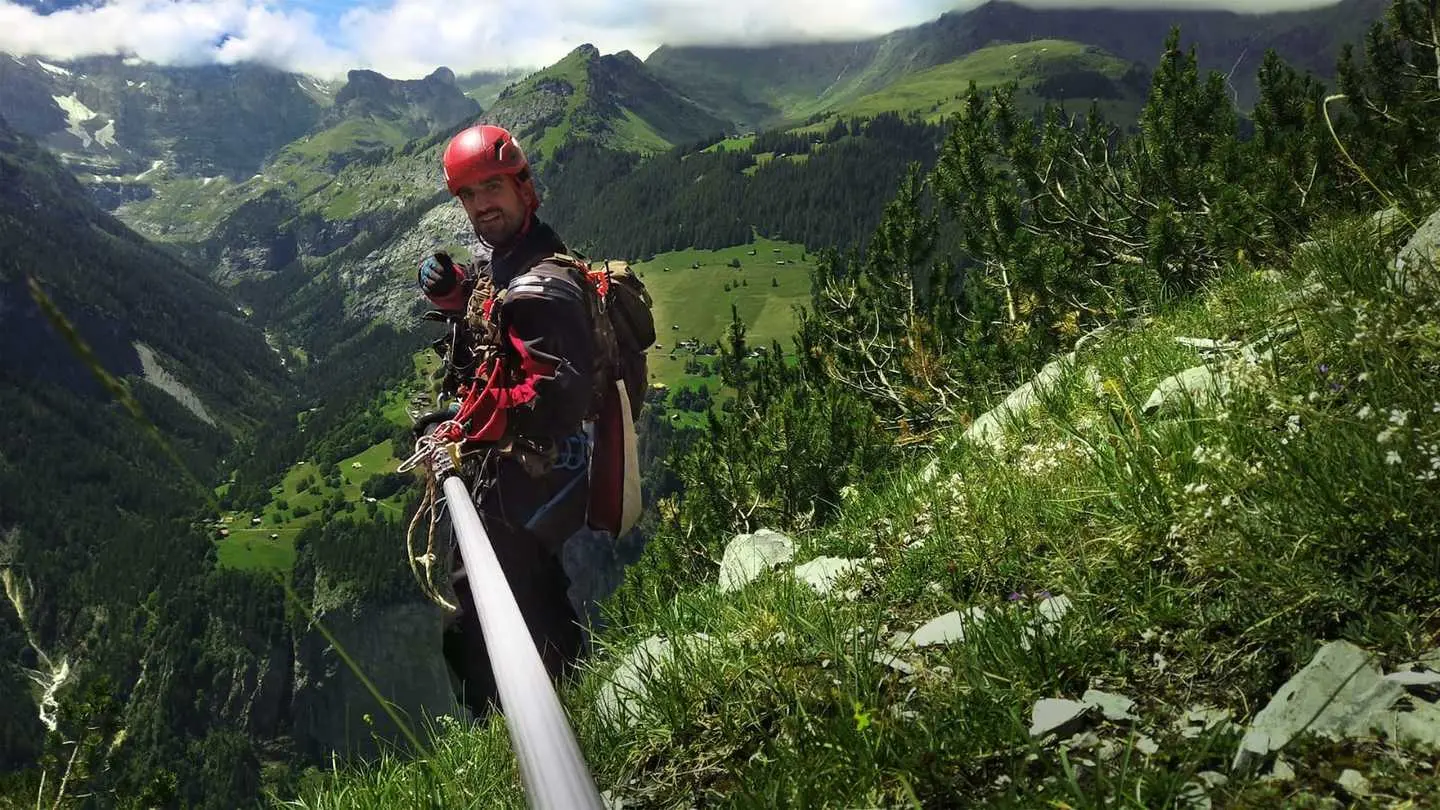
(531, 344)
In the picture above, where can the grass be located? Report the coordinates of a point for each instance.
(938, 92)
(696, 299)
(1206, 550)
(740, 144)
(633, 134)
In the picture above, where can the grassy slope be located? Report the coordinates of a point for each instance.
(939, 91)
(696, 299)
(1206, 556)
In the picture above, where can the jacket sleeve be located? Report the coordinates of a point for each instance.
(546, 322)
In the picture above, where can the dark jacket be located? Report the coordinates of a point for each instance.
(548, 346)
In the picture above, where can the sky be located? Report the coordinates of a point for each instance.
(407, 39)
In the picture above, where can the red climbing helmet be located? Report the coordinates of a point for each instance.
(484, 151)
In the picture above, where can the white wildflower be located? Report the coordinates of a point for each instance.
(1364, 413)
(1385, 435)
(1392, 458)
(1398, 417)
(1363, 376)
(1292, 423)
(1196, 489)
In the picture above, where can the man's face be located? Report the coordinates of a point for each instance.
(495, 209)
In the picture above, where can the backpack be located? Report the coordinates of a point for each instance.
(620, 314)
(624, 327)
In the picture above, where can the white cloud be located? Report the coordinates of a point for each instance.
(166, 32)
(410, 38)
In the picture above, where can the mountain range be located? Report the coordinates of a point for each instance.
(763, 87)
(263, 177)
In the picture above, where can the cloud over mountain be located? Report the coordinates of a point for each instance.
(409, 38)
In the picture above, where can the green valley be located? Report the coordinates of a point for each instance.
(695, 289)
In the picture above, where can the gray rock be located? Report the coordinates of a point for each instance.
(892, 661)
(1338, 694)
(1051, 610)
(1418, 682)
(945, 629)
(989, 429)
(1428, 662)
(1418, 726)
(1058, 716)
(1388, 223)
(594, 570)
(397, 646)
(1354, 783)
(1116, 708)
(1201, 719)
(822, 573)
(1084, 342)
(1201, 384)
(622, 698)
(1208, 344)
(747, 556)
(1193, 797)
(1280, 772)
(1418, 258)
(1213, 779)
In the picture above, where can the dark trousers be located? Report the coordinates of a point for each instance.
(537, 579)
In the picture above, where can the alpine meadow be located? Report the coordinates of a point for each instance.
(1042, 410)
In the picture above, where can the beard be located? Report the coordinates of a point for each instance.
(499, 230)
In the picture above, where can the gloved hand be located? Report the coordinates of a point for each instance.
(438, 274)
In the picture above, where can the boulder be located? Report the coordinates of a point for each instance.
(989, 429)
(747, 556)
(1420, 255)
(1116, 708)
(945, 629)
(1202, 385)
(822, 573)
(398, 647)
(1340, 693)
(622, 699)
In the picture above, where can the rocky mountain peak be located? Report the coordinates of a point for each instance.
(442, 75)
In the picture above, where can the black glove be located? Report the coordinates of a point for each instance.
(438, 275)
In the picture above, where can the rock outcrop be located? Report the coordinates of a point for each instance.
(398, 647)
